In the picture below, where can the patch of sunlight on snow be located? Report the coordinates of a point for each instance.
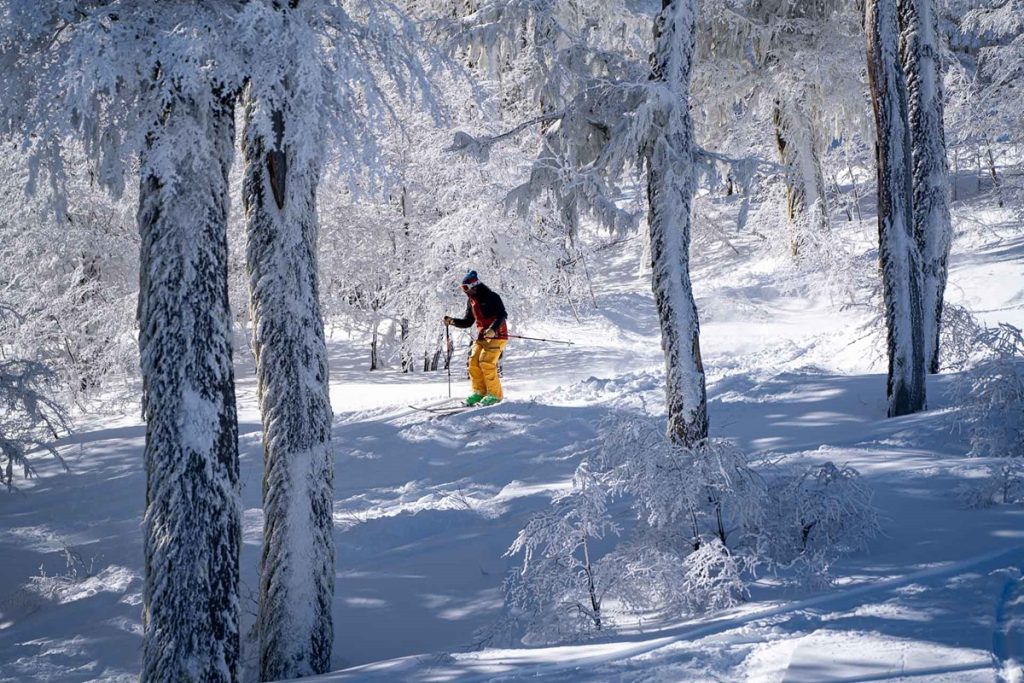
(252, 526)
(38, 538)
(1008, 533)
(365, 603)
(486, 601)
(455, 608)
(885, 610)
(517, 489)
(112, 579)
(357, 574)
(851, 655)
(131, 626)
(818, 419)
(804, 395)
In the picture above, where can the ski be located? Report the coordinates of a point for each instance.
(439, 405)
(442, 410)
(450, 410)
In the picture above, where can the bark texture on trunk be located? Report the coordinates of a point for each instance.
(922, 63)
(192, 526)
(900, 259)
(297, 566)
(669, 162)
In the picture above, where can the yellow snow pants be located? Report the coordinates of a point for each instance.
(483, 366)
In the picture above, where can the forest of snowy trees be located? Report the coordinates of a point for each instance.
(191, 185)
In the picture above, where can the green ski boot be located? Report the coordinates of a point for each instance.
(473, 399)
(489, 400)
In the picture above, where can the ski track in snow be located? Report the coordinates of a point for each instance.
(425, 506)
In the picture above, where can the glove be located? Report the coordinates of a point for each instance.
(487, 334)
(447, 320)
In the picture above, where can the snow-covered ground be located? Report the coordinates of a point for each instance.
(425, 507)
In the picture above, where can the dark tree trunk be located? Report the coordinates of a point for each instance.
(805, 184)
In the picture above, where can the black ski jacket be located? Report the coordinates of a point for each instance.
(485, 308)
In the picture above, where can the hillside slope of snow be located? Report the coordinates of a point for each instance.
(425, 506)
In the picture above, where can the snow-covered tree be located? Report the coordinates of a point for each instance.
(321, 77)
(991, 395)
(614, 114)
(152, 87)
(792, 68)
(561, 586)
(282, 171)
(984, 106)
(70, 280)
(705, 521)
(670, 179)
(192, 541)
(921, 54)
(898, 252)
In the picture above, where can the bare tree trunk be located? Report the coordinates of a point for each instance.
(192, 526)
(669, 162)
(374, 355)
(406, 352)
(900, 259)
(996, 184)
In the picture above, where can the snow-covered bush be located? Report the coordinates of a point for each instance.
(994, 394)
(68, 283)
(708, 490)
(991, 394)
(561, 587)
(818, 514)
(705, 519)
(29, 417)
(990, 397)
(1002, 484)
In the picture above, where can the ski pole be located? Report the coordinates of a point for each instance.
(553, 341)
(448, 358)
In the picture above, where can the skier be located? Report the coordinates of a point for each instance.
(484, 307)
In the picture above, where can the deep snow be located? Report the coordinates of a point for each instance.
(426, 506)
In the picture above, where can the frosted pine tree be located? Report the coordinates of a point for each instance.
(900, 260)
(919, 47)
(282, 146)
(669, 162)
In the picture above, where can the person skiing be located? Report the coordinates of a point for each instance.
(485, 308)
